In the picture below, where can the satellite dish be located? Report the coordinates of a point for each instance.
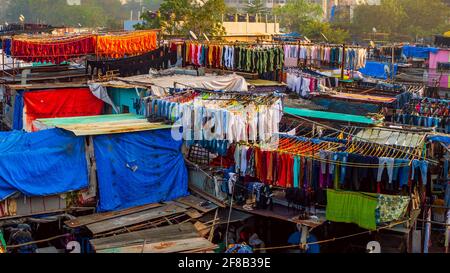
(193, 35)
(206, 37)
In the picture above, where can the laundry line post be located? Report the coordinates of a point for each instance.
(343, 62)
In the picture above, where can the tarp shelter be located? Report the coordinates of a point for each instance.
(379, 70)
(30, 105)
(43, 163)
(328, 115)
(418, 52)
(160, 85)
(139, 168)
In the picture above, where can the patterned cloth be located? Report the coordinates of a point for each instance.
(391, 207)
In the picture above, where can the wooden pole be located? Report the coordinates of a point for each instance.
(392, 62)
(343, 62)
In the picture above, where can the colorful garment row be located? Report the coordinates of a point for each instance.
(113, 46)
(130, 66)
(329, 170)
(442, 124)
(56, 51)
(221, 119)
(319, 55)
(242, 58)
(440, 109)
(304, 84)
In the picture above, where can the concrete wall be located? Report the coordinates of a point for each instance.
(246, 28)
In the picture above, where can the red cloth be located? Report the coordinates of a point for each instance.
(282, 177)
(52, 51)
(289, 171)
(59, 103)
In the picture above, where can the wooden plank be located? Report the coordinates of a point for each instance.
(207, 196)
(196, 203)
(175, 246)
(153, 235)
(135, 218)
(194, 214)
(94, 218)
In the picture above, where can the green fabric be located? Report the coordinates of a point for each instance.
(90, 119)
(297, 166)
(2, 242)
(352, 207)
(328, 115)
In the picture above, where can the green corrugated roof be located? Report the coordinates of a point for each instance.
(89, 119)
(328, 115)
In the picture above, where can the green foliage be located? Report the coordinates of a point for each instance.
(181, 16)
(402, 19)
(304, 17)
(92, 13)
(256, 7)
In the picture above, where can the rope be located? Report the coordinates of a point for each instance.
(39, 241)
(333, 239)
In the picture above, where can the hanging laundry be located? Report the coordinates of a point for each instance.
(52, 50)
(119, 46)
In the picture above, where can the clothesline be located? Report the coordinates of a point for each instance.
(353, 137)
(304, 245)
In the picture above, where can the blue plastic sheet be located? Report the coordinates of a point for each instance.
(139, 168)
(377, 70)
(351, 108)
(18, 111)
(419, 52)
(43, 163)
(443, 139)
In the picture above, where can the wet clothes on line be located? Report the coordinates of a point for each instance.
(137, 65)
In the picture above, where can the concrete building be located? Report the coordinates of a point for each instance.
(73, 2)
(241, 4)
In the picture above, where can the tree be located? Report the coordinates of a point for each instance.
(316, 30)
(402, 19)
(92, 13)
(297, 14)
(181, 16)
(305, 17)
(256, 7)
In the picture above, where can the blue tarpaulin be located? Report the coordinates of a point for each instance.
(18, 111)
(418, 52)
(139, 168)
(443, 139)
(378, 70)
(43, 163)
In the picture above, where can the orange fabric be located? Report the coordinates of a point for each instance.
(126, 45)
